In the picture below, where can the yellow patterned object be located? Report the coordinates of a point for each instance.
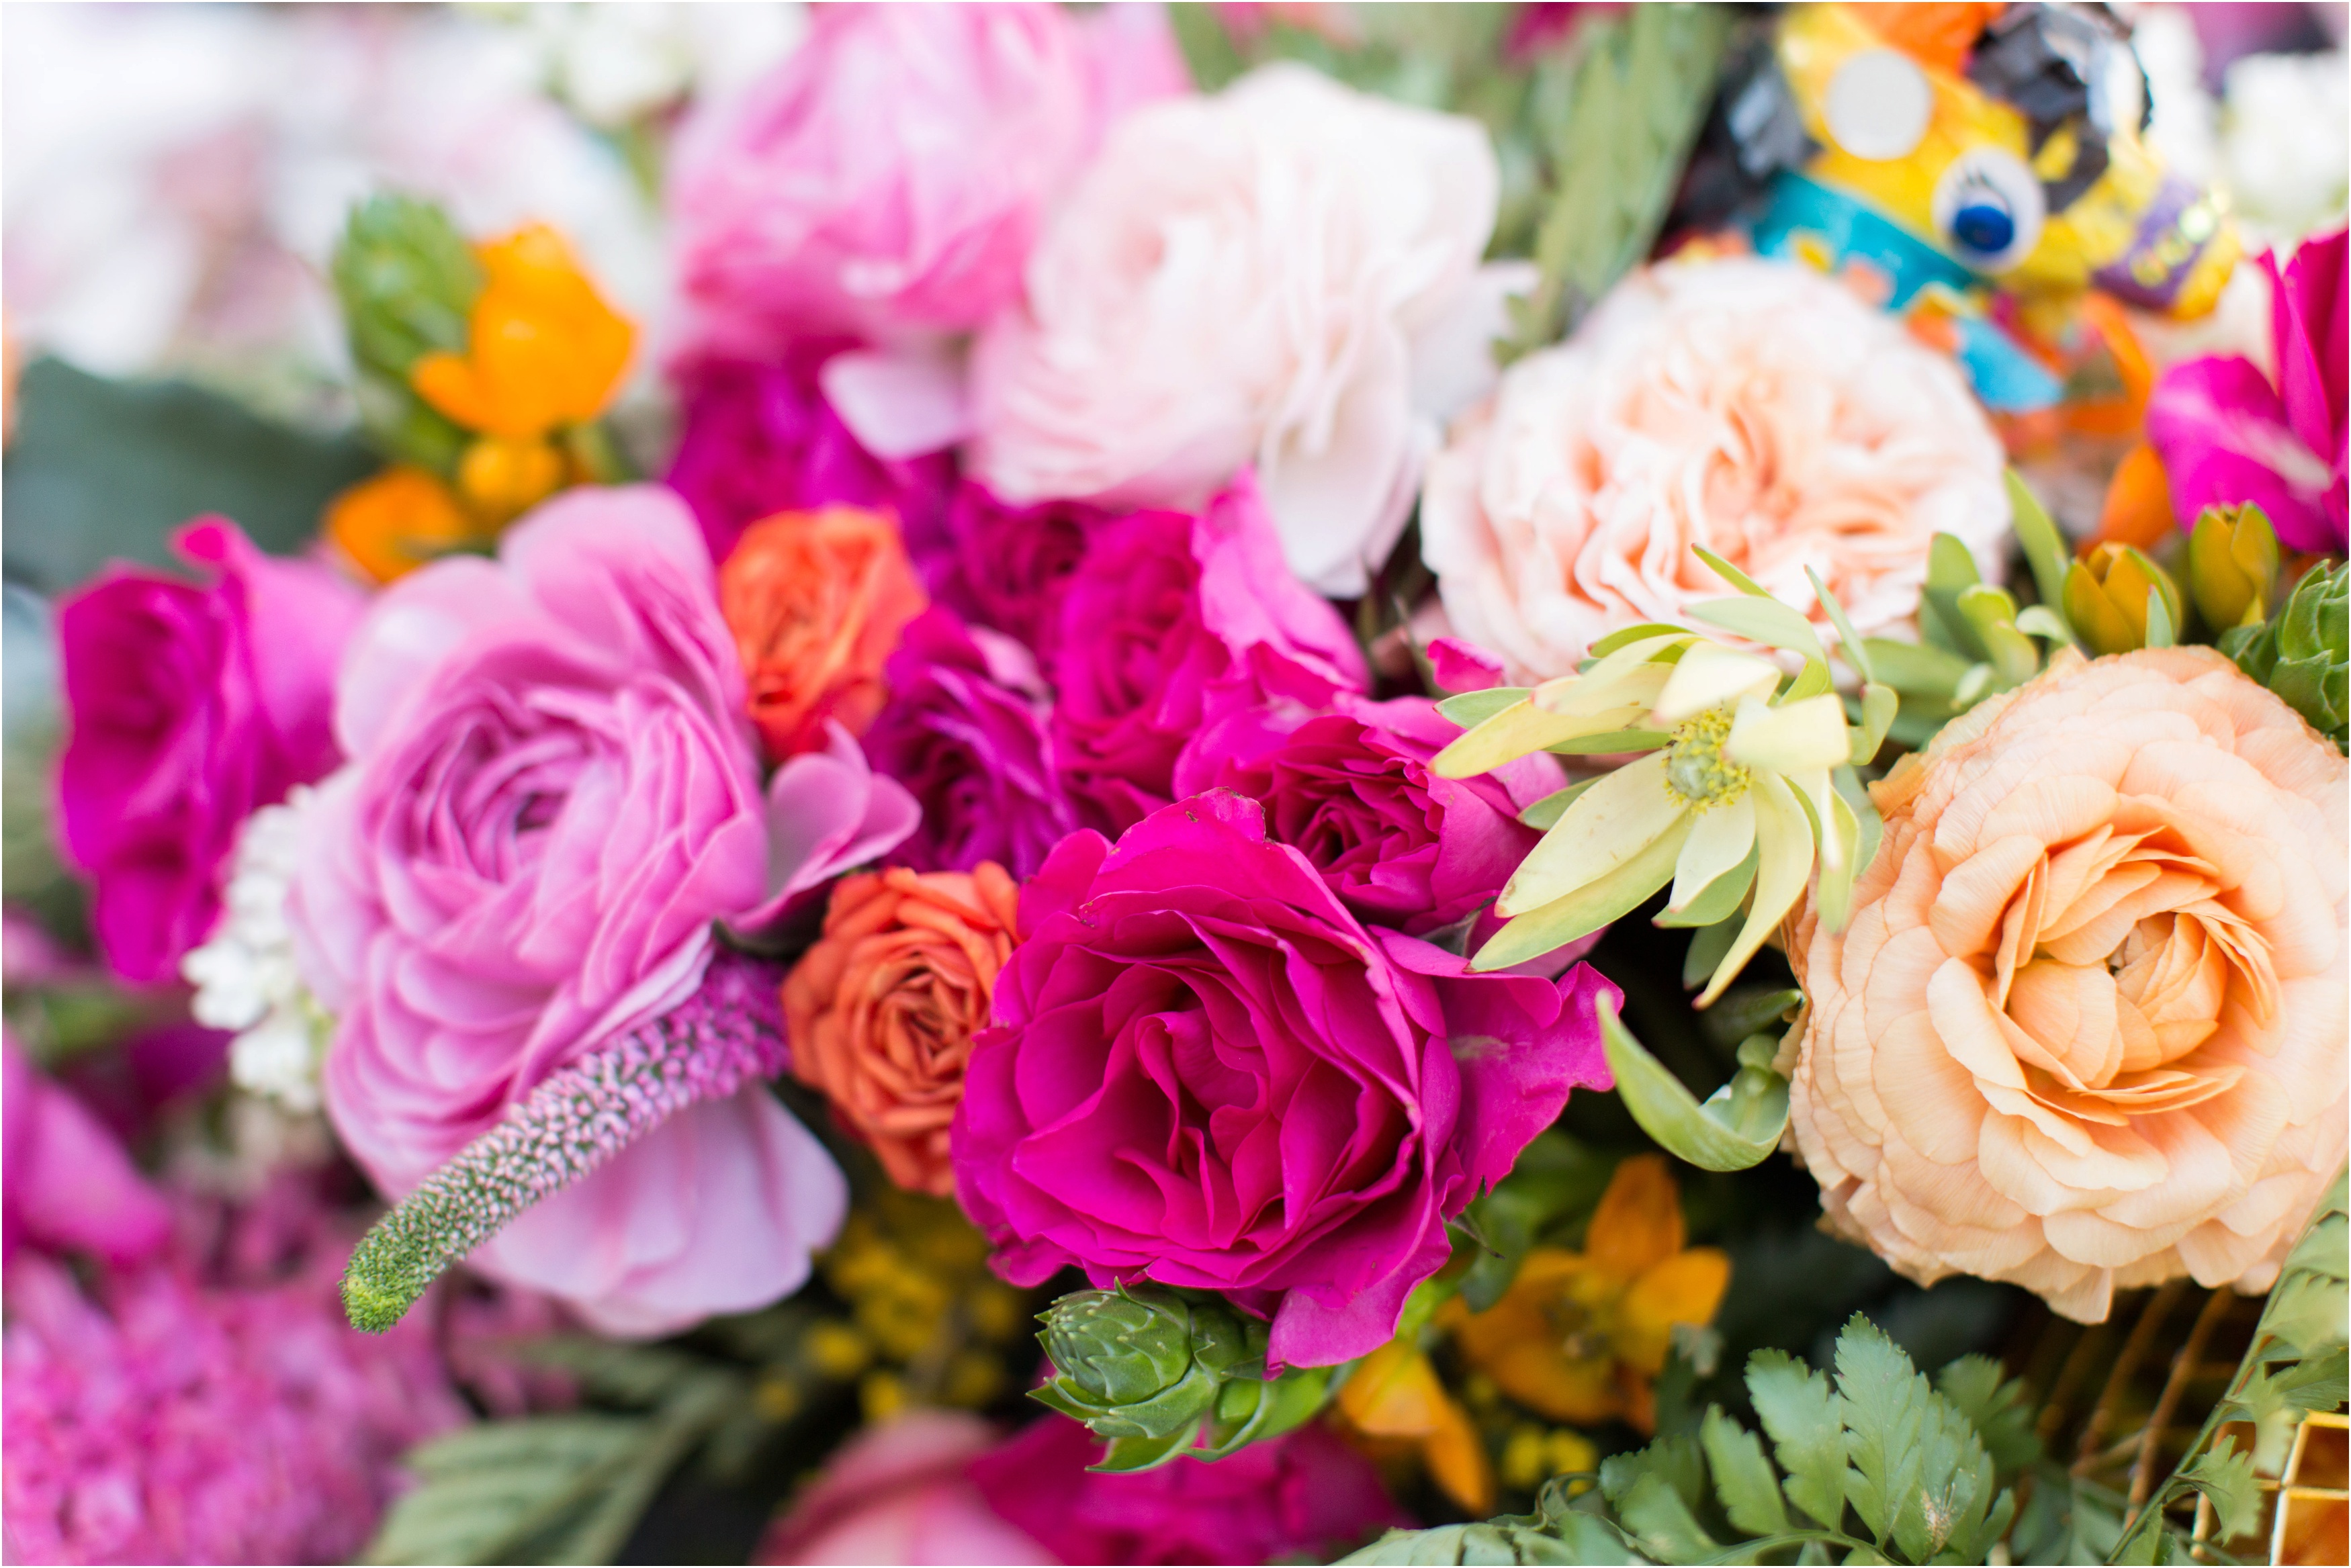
(2024, 173)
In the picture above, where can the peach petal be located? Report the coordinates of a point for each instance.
(2120, 1159)
(1978, 892)
(1926, 1094)
(2069, 1011)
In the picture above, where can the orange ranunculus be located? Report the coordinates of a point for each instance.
(2086, 1029)
(397, 520)
(1579, 1335)
(543, 348)
(816, 600)
(881, 1010)
(1395, 1395)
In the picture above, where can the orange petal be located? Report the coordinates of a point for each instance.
(2139, 502)
(1458, 1461)
(395, 522)
(1639, 1222)
(1394, 1393)
(1686, 1288)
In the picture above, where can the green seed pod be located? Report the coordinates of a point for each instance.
(1145, 1361)
(407, 280)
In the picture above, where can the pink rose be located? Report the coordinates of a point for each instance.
(552, 794)
(1170, 620)
(2227, 435)
(1752, 407)
(1302, 1497)
(1285, 275)
(1206, 1072)
(898, 1493)
(889, 177)
(190, 706)
(68, 1184)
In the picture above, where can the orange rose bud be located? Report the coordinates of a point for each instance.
(391, 524)
(881, 1010)
(816, 601)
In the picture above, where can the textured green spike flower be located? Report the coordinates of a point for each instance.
(1733, 806)
(2299, 653)
(720, 1038)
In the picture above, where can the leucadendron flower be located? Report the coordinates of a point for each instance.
(1732, 804)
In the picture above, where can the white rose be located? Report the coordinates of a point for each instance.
(1285, 275)
(1752, 407)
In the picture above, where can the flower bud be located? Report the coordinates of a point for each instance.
(2232, 567)
(2299, 653)
(2107, 600)
(407, 280)
(1144, 1361)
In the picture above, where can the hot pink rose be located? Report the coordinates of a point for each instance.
(899, 1492)
(190, 706)
(2227, 434)
(1305, 1497)
(1173, 619)
(889, 177)
(68, 1184)
(1352, 792)
(552, 794)
(1206, 1071)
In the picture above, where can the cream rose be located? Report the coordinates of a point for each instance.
(2086, 1029)
(1285, 275)
(1752, 407)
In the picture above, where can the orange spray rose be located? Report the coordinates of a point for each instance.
(881, 1010)
(816, 600)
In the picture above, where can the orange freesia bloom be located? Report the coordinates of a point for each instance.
(393, 523)
(501, 479)
(1579, 1335)
(1396, 1394)
(2139, 503)
(543, 349)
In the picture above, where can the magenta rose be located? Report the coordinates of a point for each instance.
(1304, 1497)
(760, 439)
(189, 705)
(1171, 620)
(1352, 792)
(1206, 1071)
(965, 733)
(1011, 565)
(68, 1186)
(552, 794)
(2228, 433)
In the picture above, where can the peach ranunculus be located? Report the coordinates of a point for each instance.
(1285, 275)
(817, 601)
(2086, 1029)
(1754, 407)
(881, 1010)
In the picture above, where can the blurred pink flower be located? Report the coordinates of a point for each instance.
(2227, 435)
(899, 1494)
(67, 1184)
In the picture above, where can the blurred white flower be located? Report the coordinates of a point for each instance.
(246, 976)
(2285, 141)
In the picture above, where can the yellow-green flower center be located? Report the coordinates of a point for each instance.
(1696, 768)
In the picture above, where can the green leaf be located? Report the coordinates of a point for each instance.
(1766, 621)
(1810, 681)
(1742, 1477)
(1610, 744)
(1878, 706)
(1544, 813)
(489, 1494)
(100, 468)
(1678, 1462)
(1799, 1409)
(1748, 1009)
(2226, 1477)
(2000, 1412)
(1729, 1132)
(1471, 708)
(1882, 1401)
(1849, 642)
(1625, 634)
(1732, 575)
(2045, 620)
(1721, 899)
(1707, 948)
(1658, 1518)
(1915, 669)
(2161, 632)
(2045, 546)
(1595, 904)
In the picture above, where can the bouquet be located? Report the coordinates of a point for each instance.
(1239, 784)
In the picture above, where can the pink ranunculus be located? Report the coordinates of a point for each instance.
(1303, 1497)
(888, 179)
(189, 705)
(552, 795)
(1352, 791)
(67, 1185)
(965, 733)
(900, 1492)
(1286, 274)
(759, 438)
(2228, 435)
(1170, 620)
(1206, 1071)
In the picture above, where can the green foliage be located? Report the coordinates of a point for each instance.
(565, 1488)
(1621, 122)
(101, 469)
(2295, 1364)
(1163, 1373)
(1736, 1127)
(407, 281)
(1555, 1179)
(2301, 654)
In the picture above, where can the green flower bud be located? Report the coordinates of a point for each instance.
(407, 280)
(2106, 600)
(1145, 1361)
(2299, 653)
(2232, 567)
